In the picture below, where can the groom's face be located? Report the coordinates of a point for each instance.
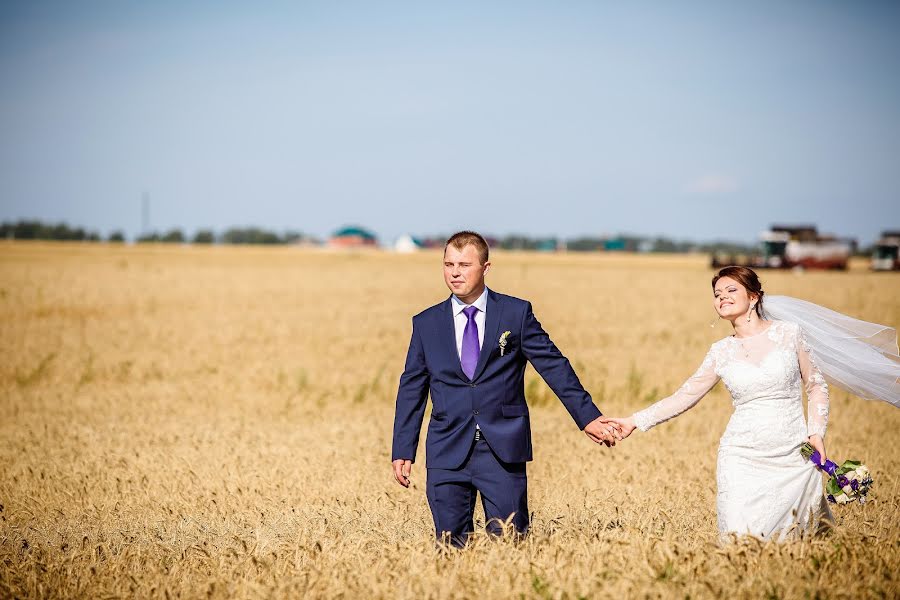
(464, 273)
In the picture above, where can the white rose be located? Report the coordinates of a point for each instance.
(863, 471)
(841, 499)
(848, 489)
(852, 475)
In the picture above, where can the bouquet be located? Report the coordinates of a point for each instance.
(848, 483)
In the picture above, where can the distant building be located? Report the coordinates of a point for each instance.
(548, 245)
(645, 246)
(614, 244)
(407, 243)
(353, 237)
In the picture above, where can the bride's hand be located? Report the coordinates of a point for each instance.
(818, 443)
(626, 425)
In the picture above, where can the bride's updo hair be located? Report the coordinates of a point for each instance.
(748, 278)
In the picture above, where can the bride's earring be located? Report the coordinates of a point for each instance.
(713, 322)
(750, 312)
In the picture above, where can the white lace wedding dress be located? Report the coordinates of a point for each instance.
(766, 488)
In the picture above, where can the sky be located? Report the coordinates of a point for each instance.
(693, 120)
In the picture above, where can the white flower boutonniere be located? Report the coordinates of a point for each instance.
(503, 341)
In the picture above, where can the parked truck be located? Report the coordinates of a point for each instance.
(886, 254)
(795, 246)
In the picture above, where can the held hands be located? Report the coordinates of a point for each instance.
(603, 430)
(625, 424)
(402, 470)
(818, 443)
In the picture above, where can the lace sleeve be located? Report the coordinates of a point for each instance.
(816, 388)
(686, 397)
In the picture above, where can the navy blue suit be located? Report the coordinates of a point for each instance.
(494, 399)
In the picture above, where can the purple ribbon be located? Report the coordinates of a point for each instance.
(829, 466)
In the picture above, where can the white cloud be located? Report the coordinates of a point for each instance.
(712, 184)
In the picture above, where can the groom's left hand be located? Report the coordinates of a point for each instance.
(603, 431)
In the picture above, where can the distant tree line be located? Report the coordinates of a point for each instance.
(36, 230)
(234, 235)
(622, 242)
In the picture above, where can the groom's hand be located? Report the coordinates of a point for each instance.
(402, 470)
(603, 431)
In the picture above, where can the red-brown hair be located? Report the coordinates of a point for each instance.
(461, 239)
(748, 278)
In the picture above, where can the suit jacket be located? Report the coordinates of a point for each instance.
(494, 398)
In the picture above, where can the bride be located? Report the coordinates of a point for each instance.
(765, 487)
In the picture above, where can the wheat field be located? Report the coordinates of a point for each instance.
(193, 422)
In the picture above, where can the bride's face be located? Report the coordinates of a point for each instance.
(731, 299)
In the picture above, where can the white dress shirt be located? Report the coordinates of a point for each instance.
(460, 319)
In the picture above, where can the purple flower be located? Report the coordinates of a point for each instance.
(854, 484)
(842, 481)
(831, 498)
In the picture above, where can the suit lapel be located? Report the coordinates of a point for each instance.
(493, 311)
(450, 336)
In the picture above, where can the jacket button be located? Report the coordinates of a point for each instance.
(471, 385)
(474, 412)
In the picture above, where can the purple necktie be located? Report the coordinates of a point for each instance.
(470, 346)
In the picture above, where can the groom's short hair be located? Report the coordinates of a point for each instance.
(461, 239)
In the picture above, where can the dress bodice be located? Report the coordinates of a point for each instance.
(760, 367)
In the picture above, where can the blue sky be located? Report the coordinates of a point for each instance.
(699, 120)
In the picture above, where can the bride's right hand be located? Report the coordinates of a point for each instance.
(626, 425)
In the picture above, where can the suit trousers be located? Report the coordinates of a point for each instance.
(451, 494)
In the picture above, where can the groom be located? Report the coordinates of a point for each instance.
(469, 352)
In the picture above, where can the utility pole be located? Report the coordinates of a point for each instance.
(145, 214)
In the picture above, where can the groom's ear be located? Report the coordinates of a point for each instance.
(487, 267)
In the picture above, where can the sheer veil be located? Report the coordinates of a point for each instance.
(855, 355)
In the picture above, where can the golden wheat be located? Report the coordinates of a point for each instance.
(215, 422)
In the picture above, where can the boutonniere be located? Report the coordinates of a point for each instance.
(503, 342)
